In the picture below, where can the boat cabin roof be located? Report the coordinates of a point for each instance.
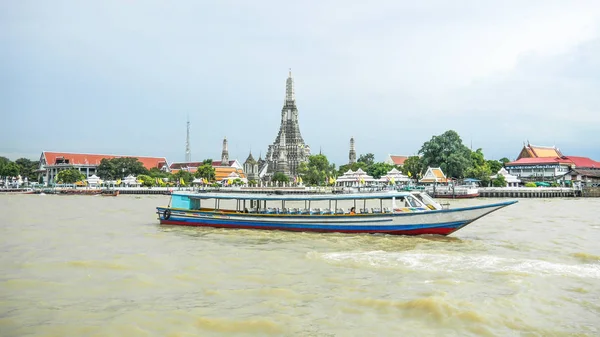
(251, 196)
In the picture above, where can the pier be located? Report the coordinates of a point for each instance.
(528, 192)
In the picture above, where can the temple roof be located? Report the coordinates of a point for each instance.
(535, 151)
(397, 160)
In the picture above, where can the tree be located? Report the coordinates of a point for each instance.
(9, 169)
(279, 176)
(69, 176)
(315, 171)
(447, 152)
(413, 166)
(146, 180)
(155, 172)
(504, 160)
(106, 169)
(27, 168)
(479, 168)
(495, 165)
(379, 169)
(499, 181)
(120, 167)
(206, 170)
(368, 159)
(187, 177)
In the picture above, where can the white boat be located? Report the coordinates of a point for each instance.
(395, 212)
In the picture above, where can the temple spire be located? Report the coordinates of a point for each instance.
(225, 154)
(290, 96)
(352, 154)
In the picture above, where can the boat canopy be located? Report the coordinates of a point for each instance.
(249, 196)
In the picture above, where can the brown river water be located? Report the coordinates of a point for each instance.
(103, 266)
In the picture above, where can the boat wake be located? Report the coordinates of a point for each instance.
(451, 261)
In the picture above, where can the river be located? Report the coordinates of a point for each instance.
(103, 266)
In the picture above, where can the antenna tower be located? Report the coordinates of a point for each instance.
(188, 152)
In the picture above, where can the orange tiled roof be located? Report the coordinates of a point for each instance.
(398, 160)
(440, 177)
(533, 151)
(94, 159)
(221, 172)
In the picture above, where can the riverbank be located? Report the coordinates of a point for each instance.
(484, 192)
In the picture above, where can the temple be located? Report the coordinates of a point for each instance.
(288, 150)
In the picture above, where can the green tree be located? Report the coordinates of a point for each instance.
(280, 177)
(368, 159)
(354, 166)
(9, 169)
(495, 165)
(146, 180)
(379, 169)
(479, 168)
(316, 170)
(155, 172)
(69, 176)
(187, 177)
(206, 170)
(413, 167)
(106, 169)
(120, 167)
(27, 168)
(448, 152)
(499, 181)
(504, 160)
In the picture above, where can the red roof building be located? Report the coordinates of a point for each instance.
(547, 163)
(53, 162)
(396, 160)
(193, 166)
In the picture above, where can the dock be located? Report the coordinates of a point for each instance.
(529, 192)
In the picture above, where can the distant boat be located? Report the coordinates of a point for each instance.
(453, 192)
(418, 213)
(110, 193)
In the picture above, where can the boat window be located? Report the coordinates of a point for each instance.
(195, 204)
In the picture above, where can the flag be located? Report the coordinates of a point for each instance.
(156, 181)
(409, 174)
(229, 181)
(181, 181)
(299, 180)
(392, 181)
(118, 182)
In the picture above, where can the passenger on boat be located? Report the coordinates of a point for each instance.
(352, 211)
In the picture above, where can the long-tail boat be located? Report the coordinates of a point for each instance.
(396, 212)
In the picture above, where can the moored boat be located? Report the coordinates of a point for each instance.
(110, 193)
(394, 212)
(453, 192)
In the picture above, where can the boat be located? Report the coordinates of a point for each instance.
(453, 192)
(110, 193)
(391, 212)
(465, 190)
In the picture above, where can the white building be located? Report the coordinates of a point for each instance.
(511, 180)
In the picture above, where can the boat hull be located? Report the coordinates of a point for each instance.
(437, 222)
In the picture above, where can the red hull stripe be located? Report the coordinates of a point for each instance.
(421, 231)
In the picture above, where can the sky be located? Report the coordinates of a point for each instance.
(123, 76)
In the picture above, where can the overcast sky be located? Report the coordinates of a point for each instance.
(121, 77)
